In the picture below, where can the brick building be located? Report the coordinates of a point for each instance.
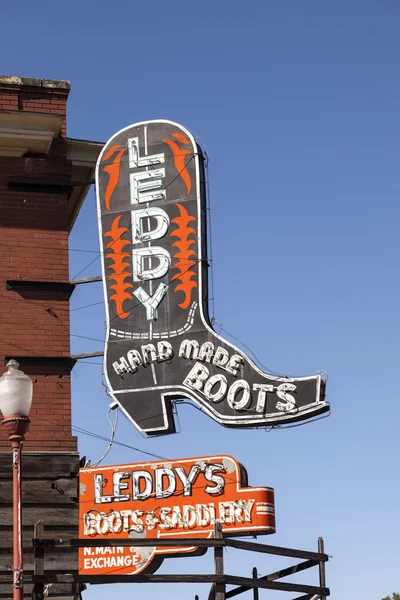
(39, 202)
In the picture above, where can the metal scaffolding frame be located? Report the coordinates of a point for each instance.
(219, 579)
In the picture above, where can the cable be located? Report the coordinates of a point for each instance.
(169, 281)
(34, 247)
(266, 369)
(51, 249)
(272, 375)
(230, 480)
(89, 362)
(302, 423)
(208, 200)
(100, 437)
(131, 224)
(113, 430)
(86, 306)
(7, 322)
(66, 170)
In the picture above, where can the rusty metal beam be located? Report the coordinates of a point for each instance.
(232, 543)
(183, 578)
(86, 280)
(277, 575)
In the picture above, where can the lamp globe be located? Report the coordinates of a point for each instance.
(15, 391)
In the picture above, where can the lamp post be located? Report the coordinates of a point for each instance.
(15, 403)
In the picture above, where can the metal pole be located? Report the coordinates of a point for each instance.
(255, 590)
(322, 578)
(38, 588)
(220, 588)
(18, 590)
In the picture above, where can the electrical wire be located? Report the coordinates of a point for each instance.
(86, 306)
(90, 362)
(208, 200)
(44, 304)
(98, 436)
(187, 402)
(131, 224)
(66, 170)
(230, 480)
(51, 249)
(113, 430)
(266, 369)
(169, 281)
(121, 342)
(28, 325)
(302, 423)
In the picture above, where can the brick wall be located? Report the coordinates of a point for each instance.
(34, 246)
(35, 95)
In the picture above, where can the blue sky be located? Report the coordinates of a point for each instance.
(297, 104)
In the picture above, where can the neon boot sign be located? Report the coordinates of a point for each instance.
(161, 345)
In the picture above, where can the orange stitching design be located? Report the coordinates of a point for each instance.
(113, 171)
(181, 138)
(184, 264)
(116, 246)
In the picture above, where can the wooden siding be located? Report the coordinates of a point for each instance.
(50, 495)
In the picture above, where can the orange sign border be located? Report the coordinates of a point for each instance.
(239, 476)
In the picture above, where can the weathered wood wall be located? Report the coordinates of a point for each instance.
(49, 494)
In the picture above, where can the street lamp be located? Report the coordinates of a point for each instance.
(15, 403)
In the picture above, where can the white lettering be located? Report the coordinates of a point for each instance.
(121, 367)
(165, 519)
(219, 394)
(189, 349)
(139, 256)
(235, 362)
(165, 351)
(162, 492)
(262, 389)
(189, 516)
(206, 351)
(161, 221)
(247, 508)
(289, 403)
(135, 360)
(151, 303)
(236, 387)
(177, 517)
(221, 357)
(125, 514)
(135, 160)
(137, 477)
(149, 353)
(115, 522)
(98, 491)
(118, 486)
(203, 515)
(217, 479)
(89, 524)
(188, 480)
(177, 520)
(196, 377)
(147, 186)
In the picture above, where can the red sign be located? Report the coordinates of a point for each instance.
(180, 498)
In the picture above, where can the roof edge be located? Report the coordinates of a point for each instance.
(15, 80)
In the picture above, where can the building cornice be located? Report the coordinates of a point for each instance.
(83, 156)
(16, 81)
(23, 132)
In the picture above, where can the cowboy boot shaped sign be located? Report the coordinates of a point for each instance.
(160, 344)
